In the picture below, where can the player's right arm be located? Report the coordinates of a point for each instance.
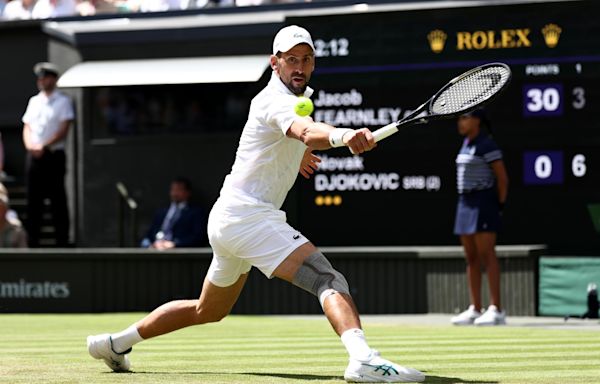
(317, 135)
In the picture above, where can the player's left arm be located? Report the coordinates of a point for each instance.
(501, 180)
(309, 164)
(317, 135)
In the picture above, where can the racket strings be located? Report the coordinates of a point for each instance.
(471, 90)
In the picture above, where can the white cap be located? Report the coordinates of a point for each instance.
(42, 69)
(288, 37)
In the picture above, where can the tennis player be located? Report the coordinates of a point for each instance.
(482, 185)
(246, 227)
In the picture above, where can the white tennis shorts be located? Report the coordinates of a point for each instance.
(248, 237)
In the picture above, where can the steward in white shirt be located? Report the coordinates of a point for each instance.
(46, 123)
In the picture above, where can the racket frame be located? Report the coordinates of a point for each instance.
(415, 116)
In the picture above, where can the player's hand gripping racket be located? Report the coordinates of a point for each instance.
(465, 93)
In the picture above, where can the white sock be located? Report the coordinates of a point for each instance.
(356, 344)
(125, 339)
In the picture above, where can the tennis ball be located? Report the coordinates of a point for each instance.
(304, 106)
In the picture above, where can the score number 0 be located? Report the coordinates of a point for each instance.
(542, 166)
(547, 167)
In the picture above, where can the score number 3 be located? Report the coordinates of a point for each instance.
(578, 98)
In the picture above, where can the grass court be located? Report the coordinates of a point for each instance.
(269, 349)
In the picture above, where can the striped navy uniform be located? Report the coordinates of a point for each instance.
(477, 209)
(473, 172)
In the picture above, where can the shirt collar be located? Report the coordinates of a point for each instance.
(52, 96)
(278, 85)
(181, 205)
(477, 138)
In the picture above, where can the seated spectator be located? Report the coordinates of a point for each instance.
(249, 3)
(18, 10)
(163, 5)
(215, 3)
(85, 8)
(110, 6)
(12, 234)
(45, 9)
(180, 224)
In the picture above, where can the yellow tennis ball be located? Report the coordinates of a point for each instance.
(304, 106)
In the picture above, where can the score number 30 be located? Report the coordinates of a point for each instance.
(547, 99)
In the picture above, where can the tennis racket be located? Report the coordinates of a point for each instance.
(465, 93)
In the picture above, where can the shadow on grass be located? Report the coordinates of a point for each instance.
(293, 376)
(454, 380)
(305, 377)
(289, 376)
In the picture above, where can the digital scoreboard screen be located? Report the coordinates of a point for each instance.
(374, 68)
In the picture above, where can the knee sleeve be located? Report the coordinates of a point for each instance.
(317, 276)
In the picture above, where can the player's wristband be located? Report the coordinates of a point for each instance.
(336, 137)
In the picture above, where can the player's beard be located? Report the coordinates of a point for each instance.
(296, 90)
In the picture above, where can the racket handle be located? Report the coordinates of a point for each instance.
(386, 131)
(382, 133)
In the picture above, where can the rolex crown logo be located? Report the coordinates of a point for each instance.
(437, 39)
(551, 34)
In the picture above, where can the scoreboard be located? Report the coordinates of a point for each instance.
(373, 68)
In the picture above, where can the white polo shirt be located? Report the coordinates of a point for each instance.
(267, 161)
(44, 116)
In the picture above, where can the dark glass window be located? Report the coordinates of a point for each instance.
(170, 109)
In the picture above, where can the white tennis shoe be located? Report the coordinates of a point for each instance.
(492, 317)
(100, 347)
(380, 370)
(467, 317)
